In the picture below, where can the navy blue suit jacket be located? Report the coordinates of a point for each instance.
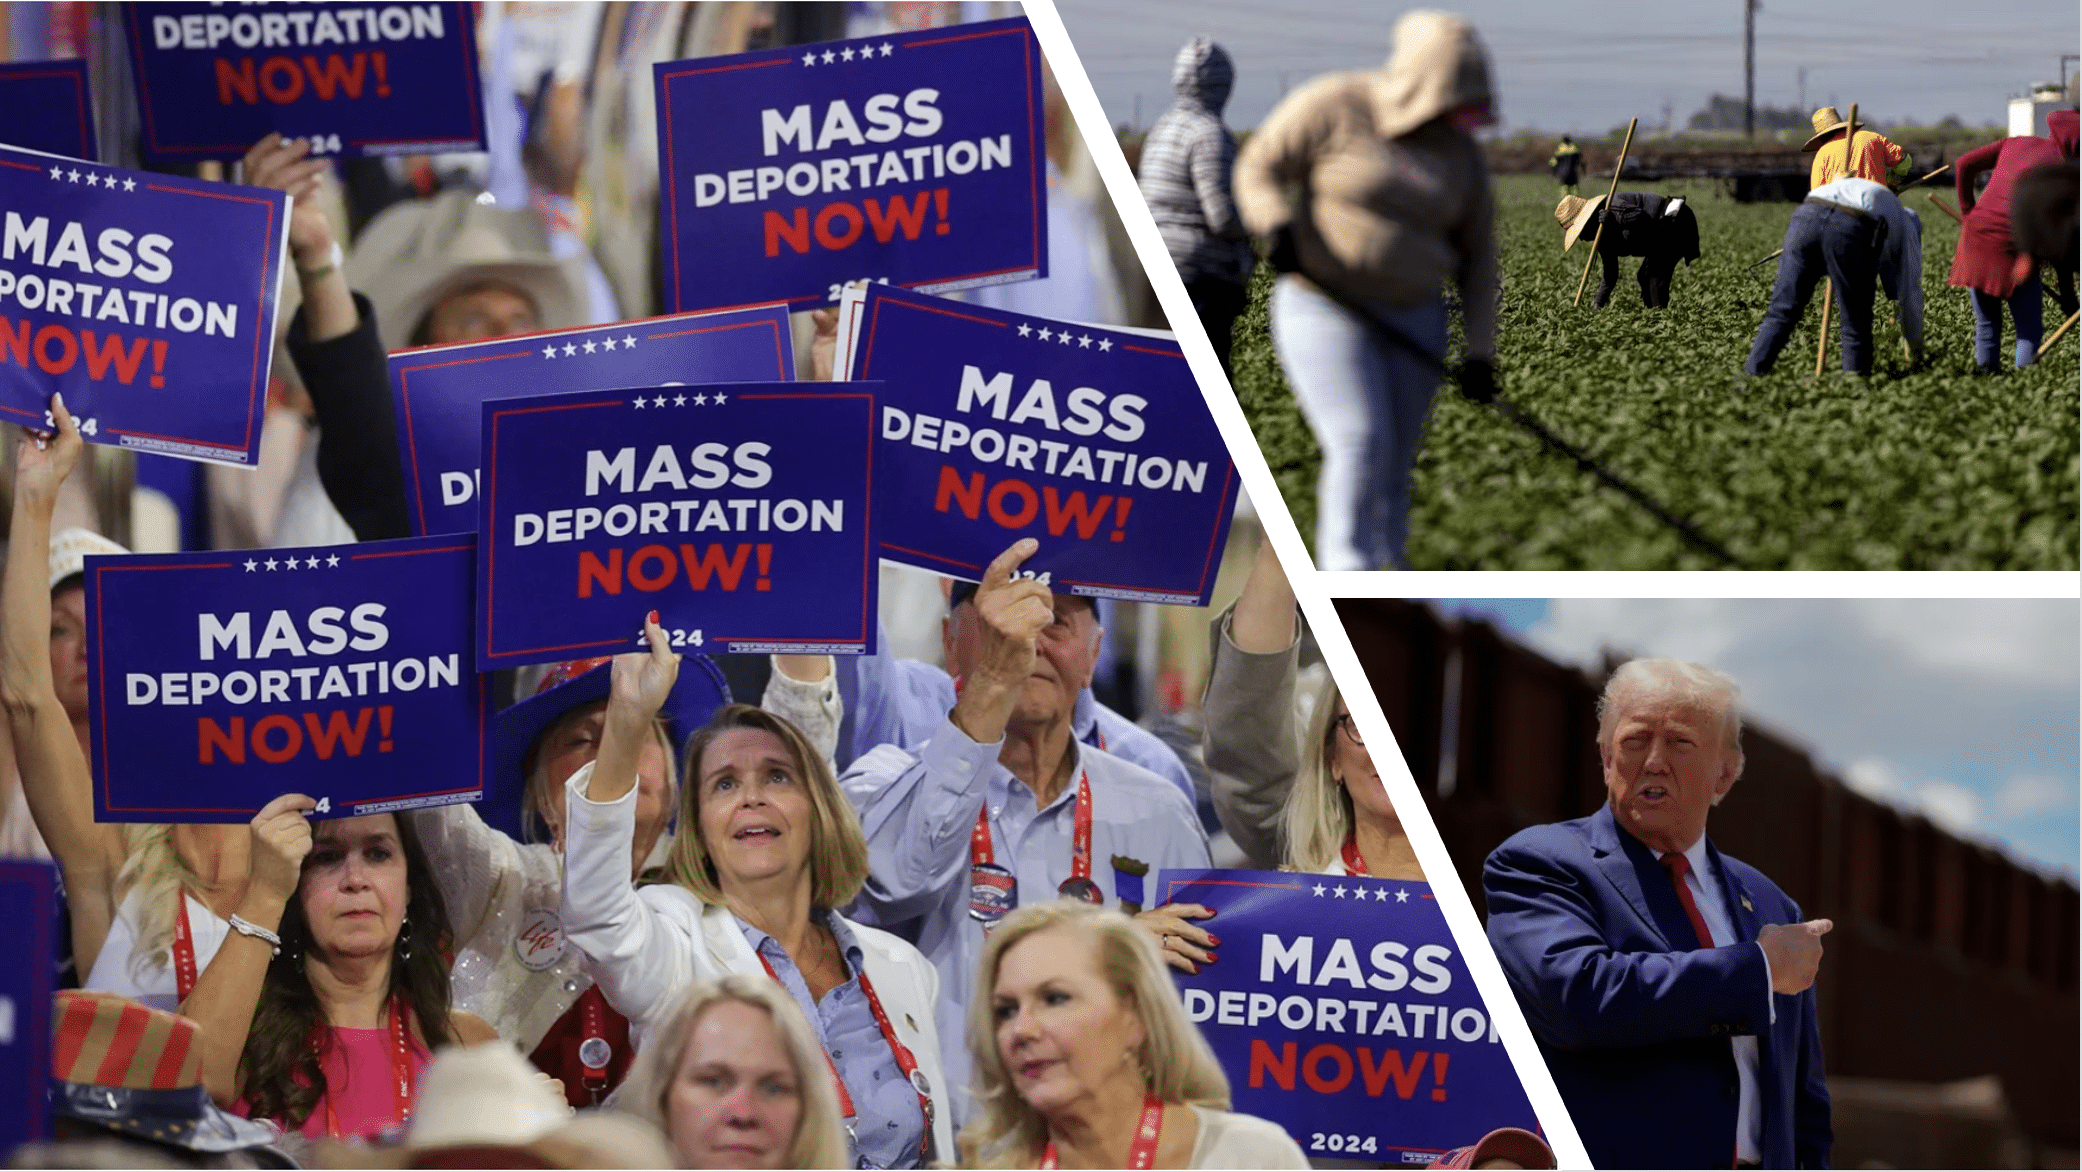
(1635, 1031)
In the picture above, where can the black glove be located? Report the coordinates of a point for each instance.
(1280, 251)
(1478, 381)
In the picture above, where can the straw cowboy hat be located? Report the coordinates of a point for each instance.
(1826, 122)
(69, 552)
(1574, 213)
(418, 251)
(485, 1107)
(136, 1072)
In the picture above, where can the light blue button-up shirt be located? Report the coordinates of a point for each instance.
(889, 1126)
(918, 810)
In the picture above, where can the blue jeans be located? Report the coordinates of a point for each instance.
(1821, 241)
(1367, 401)
(2026, 303)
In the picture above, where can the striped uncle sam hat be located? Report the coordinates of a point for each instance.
(137, 1071)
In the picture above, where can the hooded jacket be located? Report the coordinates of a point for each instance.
(1393, 201)
(1187, 158)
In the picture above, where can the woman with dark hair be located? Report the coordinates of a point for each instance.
(326, 1001)
(768, 850)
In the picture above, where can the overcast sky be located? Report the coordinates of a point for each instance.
(1963, 710)
(1589, 67)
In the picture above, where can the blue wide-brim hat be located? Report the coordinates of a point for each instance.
(698, 693)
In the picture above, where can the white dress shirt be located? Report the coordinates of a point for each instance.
(1705, 887)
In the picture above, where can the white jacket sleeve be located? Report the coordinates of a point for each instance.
(639, 958)
(473, 861)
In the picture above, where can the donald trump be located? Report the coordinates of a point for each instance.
(1670, 986)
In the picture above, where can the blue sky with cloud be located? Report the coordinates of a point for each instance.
(1968, 711)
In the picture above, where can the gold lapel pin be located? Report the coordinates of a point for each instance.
(1747, 905)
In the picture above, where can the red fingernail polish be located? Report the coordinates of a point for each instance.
(1214, 939)
(1211, 958)
(654, 617)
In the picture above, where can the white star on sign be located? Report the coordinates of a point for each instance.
(1380, 895)
(333, 560)
(590, 347)
(679, 400)
(251, 565)
(549, 351)
(628, 341)
(1025, 329)
(829, 56)
(658, 402)
(569, 349)
(271, 564)
(719, 398)
(311, 563)
(1084, 341)
(109, 181)
(1402, 896)
(73, 175)
(886, 50)
(809, 58)
(1105, 344)
(130, 185)
(57, 172)
(1319, 889)
(639, 402)
(1063, 337)
(1044, 333)
(700, 400)
(846, 54)
(1340, 891)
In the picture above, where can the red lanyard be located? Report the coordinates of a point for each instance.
(401, 1066)
(183, 952)
(1355, 863)
(905, 1060)
(1143, 1152)
(980, 850)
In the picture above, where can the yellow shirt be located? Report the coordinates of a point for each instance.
(1874, 156)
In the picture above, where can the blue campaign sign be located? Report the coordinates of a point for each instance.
(48, 107)
(149, 300)
(358, 79)
(916, 159)
(1341, 1010)
(997, 426)
(439, 390)
(222, 680)
(740, 512)
(28, 901)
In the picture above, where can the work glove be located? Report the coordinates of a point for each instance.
(1477, 381)
(1281, 252)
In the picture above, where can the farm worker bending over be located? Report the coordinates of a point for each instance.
(1394, 202)
(1659, 229)
(1567, 164)
(1873, 155)
(1987, 260)
(1854, 229)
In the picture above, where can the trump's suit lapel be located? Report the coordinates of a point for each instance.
(1611, 857)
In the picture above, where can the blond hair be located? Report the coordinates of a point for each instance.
(1176, 1060)
(1318, 815)
(155, 873)
(1671, 681)
(820, 1135)
(541, 790)
(838, 850)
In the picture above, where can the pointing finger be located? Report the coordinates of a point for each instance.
(1000, 571)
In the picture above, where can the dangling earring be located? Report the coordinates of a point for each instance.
(405, 938)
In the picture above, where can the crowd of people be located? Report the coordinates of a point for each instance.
(1395, 201)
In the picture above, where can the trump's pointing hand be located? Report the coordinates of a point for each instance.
(1795, 953)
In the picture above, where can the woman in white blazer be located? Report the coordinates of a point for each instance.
(767, 847)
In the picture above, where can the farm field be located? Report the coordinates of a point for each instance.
(1935, 469)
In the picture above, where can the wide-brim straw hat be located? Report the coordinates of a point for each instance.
(69, 551)
(1826, 122)
(419, 251)
(484, 1107)
(1573, 213)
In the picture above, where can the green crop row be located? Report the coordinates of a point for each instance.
(1931, 469)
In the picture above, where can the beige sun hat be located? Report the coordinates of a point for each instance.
(69, 551)
(483, 1107)
(1573, 213)
(418, 251)
(1826, 121)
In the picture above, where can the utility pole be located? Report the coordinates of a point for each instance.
(1749, 67)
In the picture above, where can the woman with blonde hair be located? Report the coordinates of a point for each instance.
(1338, 816)
(735, 1078)
(1084, 1056)
(768, 849)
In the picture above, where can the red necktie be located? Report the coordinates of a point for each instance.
(1679, 867)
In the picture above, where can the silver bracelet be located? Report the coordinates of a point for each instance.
(246, 927)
